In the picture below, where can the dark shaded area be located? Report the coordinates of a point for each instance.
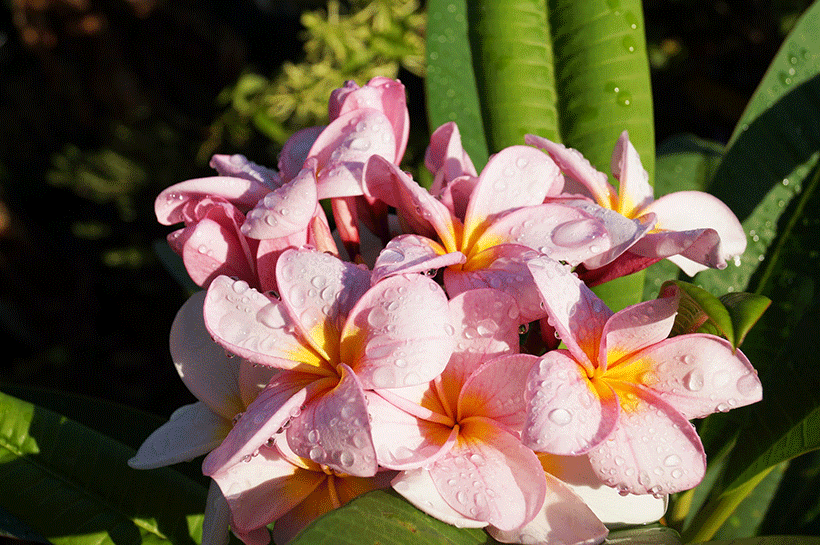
(85, 306)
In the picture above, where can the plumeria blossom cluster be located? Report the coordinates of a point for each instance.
(396, 360)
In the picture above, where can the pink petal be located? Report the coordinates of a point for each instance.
(623, 232)
(204, 366)
(576, 313)
(213, 247)
(268, 252)
(256, 327)
(418, 488)
(334, 430)
(577, 167)
(624, 264)
(486, 325)
(688, 210)
(265, 419)
(319, 290)
(411, 254)
(295, 151)
(496, 390)
(489, 475)
(284, 211)
(699, 374)
(192, 430)
(217, 517)
(387, 343)
(566, 413)
(455, 196)
(561, 231)
(404, 441)
(172, 205)
(564, 518)
(501, 267)
(446, 158)
(238, 166)
(608, 505)
(514, 177)
(264, 488)
(634, 190)
(635, 328)
(425, 215)
(696, 249)
(653, 449)
(344, 147)
(253, 379)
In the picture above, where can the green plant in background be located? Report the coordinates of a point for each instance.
(374, 39)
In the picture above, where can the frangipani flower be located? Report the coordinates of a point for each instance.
(505, 218)
(224, 386)
(218, 237)
(333, 337)
(622, 392)
(694, 230)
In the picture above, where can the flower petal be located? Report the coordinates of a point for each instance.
(265, 419)
(238, 166)
(425, 215)
(204, 366)
(652, 450)
(514, 177)
(410, 254)
(418, 488)
(404, 441)
(256, 327)
(295, 151)
(635, 328)
(564, 519)
(387, 343)
(333, 429)
(173, 205)
(264, 488)
(217, 517)
(286, 210)
(319, 291)
(566, 412)
(486, 326)
(576, 313)
(577, 167)
(344, 147)
(192, 430)
(489, 475)
(699, 374)
(446, 158)
(561, 231)
(635, 193)
(496, 390)
(612, 508)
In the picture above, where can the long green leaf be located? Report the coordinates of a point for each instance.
(385, 518)
(450, 82)
(513, 63)
(771, 540)
(72, 485)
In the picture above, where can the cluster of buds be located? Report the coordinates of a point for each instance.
(396, 358)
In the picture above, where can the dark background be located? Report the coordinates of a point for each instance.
(85, 305)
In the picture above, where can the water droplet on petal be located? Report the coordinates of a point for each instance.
(672, 460)
(561, 417)
(347, 458)
(317, 454)
(576, 233)
(748, 384)
(693, 380)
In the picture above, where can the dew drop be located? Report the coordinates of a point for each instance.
(317, 454)
(377, 317)
(560, 417)
(576, 233)
(346, 458)
(313, 436)
(693, 380)
(747, 384)
(677, 473)
(672, 460)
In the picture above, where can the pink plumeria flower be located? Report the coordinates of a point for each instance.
(293, 492)
(623, 392)
(224, 387)
(334, 337)
(237, 223)
(694, 230)
(364, 121)
(505, 218)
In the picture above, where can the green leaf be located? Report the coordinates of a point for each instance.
(513, 63)
(745, 309)
(748, 516)
(699, 312)
(644, 535)
(385, 518)
(770, 540)
(72, 485)
(602, 77)
(450, 82)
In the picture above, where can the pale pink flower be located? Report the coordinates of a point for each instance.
(623, 392)
(505, 217)
(693, 229)
(334, 337)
